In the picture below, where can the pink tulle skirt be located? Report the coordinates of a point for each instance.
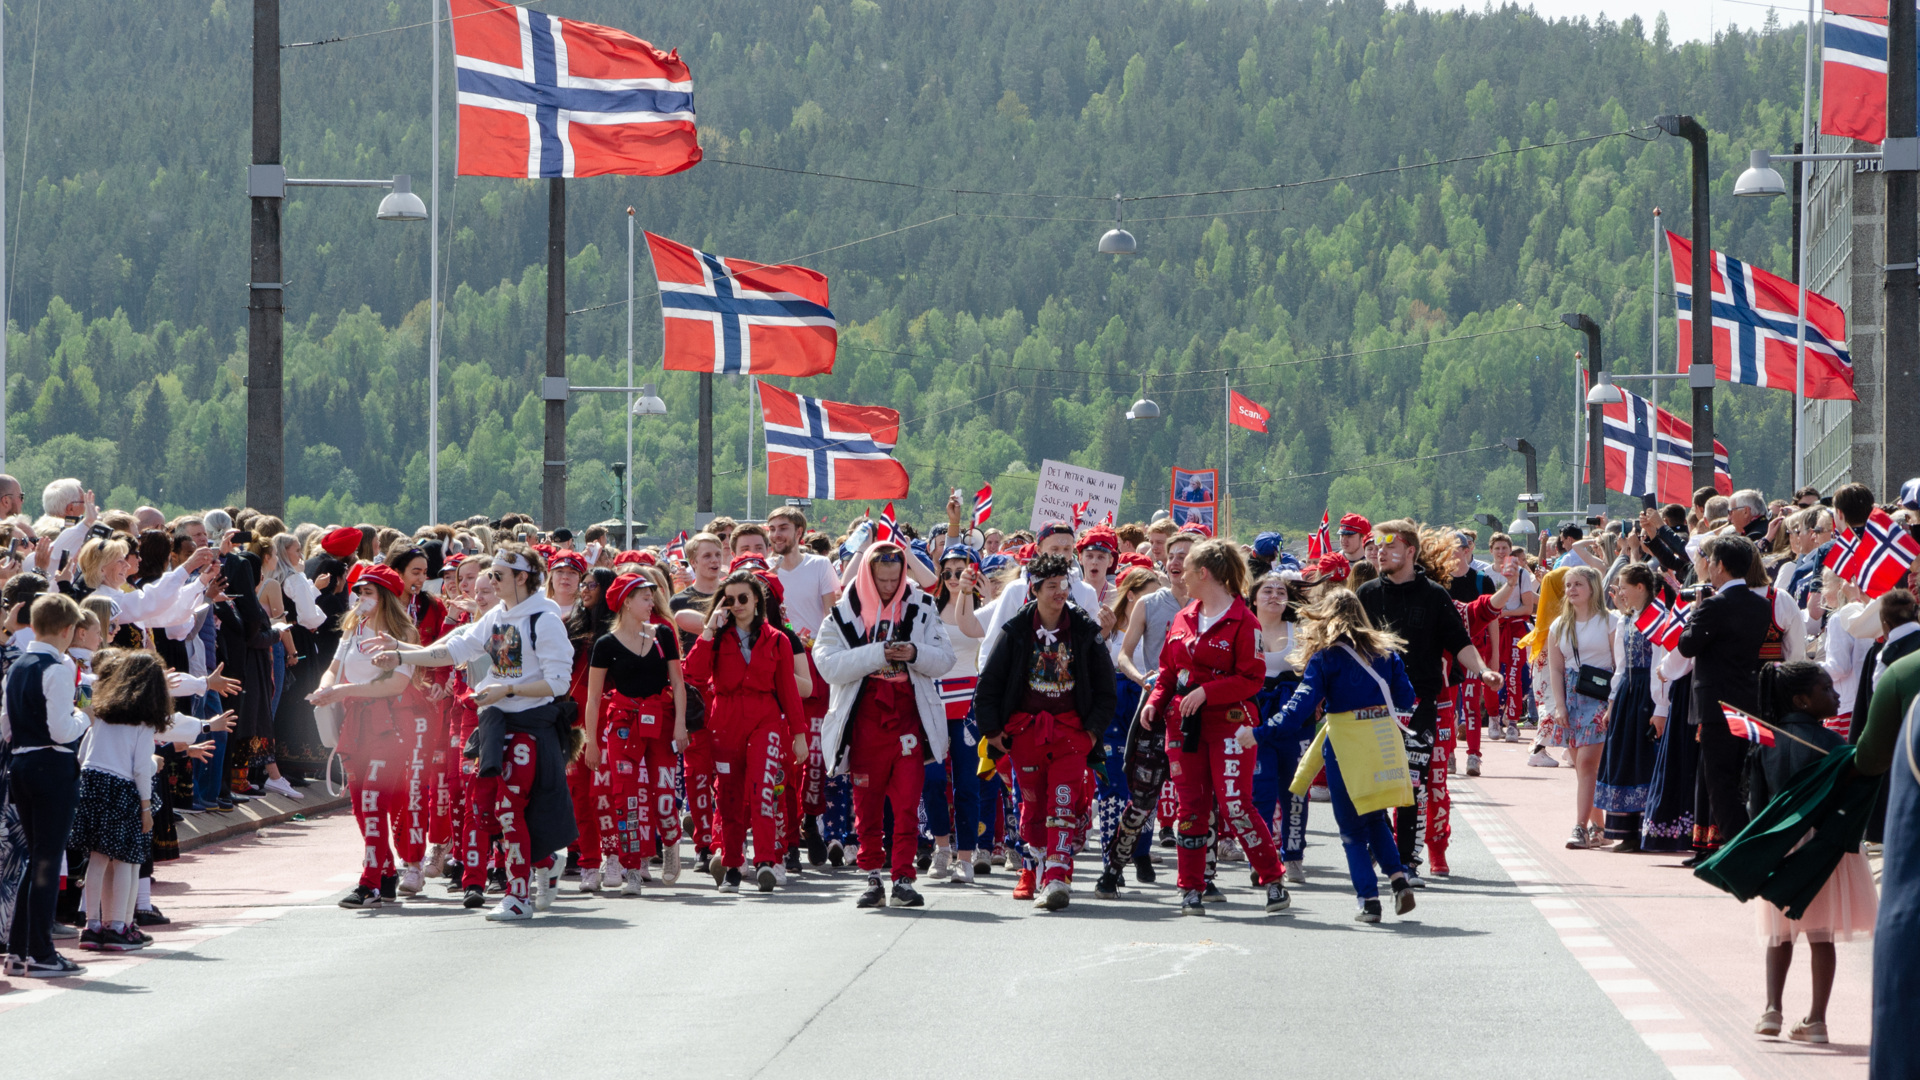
(1846, 906)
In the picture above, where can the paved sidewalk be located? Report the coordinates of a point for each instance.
(199, 830)
(1680, 959)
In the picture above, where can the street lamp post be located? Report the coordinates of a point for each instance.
(1523, 526)
(1700, 364)
(1600, 393)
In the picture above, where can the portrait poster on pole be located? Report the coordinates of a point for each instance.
(1195, 494)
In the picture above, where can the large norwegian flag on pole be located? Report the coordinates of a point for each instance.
(1853, 77)
(1755, 327)
(732, 316)
(1650, 452)
(830, 450)
(547, 97)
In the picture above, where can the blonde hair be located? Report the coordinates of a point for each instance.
(1222, 561)
(393, 617)
(1337, 618)
(1133, 583)
(660, 590)
(1564, 622)
(96, 555)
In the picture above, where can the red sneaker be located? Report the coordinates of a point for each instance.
(1023, 889)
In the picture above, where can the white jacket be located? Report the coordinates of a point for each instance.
(845, 666)
(516, 652)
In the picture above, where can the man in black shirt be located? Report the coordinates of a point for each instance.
(1408, 600)
(707, 556)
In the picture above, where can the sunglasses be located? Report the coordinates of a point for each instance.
(888, 557)
(735, 600)
(956, 573)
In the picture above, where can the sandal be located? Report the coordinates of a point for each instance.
(1769, 1023)
(1809, 1031)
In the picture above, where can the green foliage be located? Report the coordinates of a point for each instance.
(1381, 318)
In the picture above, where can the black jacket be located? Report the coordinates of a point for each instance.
(1003, 678)
(1863, 694)
(1723, 638)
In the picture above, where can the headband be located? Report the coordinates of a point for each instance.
(513, 560)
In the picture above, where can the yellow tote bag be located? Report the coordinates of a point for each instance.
(1371, 751)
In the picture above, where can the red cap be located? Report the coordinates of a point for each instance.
(341, 542)
(1354, 523)
(643, 558)
(1025, 554)
(1100, 536)
(772, 581)
(1131, 559)
(747, 560)
(379, 574)
(1334, 566)
(453, 561)
(560, 559)
(624, 584)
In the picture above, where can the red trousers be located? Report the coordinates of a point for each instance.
(1469, 708)
(587, 788)
(885, 766)
(511, 789)
(419, 731)
(1513, 671)
(805, 794)
(746, 764)
(1050, 763)
(636, 747)
(1219, 773)
(697, 771)
(443, 772)
(1439, 803)
(375, 753)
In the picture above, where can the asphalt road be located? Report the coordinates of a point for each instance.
(263, 976)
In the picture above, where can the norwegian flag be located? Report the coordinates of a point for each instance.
(677, 550)
(820, 449)
(956, 694)
(1853, 75)
(547, 97)
(1080, 512)
(885, 529)
(1661, 624)
(1650, 452)
(731, 316)
(1321, 542)
(1845, 543)
(1884, 554)
(1755, 325)
(982, 505)
(1747, 727)
(1109, 519)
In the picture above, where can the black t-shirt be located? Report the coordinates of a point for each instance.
(634, 675)
(1471, 586)
(1421, 612)
(683, 600)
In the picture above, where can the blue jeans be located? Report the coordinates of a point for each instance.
(963, 823)
(1366, 837)
(279, 675)
(210, 776)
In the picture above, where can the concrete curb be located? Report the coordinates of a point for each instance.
(199, 830)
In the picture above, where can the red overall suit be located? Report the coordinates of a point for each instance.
(588, 788)
(753, 713)
(1227, 663)
(636, 756)
(439, 765)
(375, 736)
(806, 794)
(886, 756)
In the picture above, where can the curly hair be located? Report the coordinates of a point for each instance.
(1337, 618)
(130, 687)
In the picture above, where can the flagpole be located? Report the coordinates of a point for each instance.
(753, 401)
(3, 240)
(433, 287)
(626, 479)
(1226, 439)
(1654, 363)
(1800, 271)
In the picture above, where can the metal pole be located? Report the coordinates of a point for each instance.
(433, 289)
(626, 479)
(553, 486)
(1596, 424)
(1579, 427)
(1653, 363)
(1226, 442)
(703, 489)
(1902, 417)
(3, 239)
(1800, 342)
(266, 307)
(753, 410)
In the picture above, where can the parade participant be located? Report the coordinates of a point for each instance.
(957, 827)
(1356, 673)
(1097, 549)
(811, 586)
(881, 650)
(1516, 619)
(1159, 532)
(421, 854)
(521, 735)
(1278, 757)
(706, 562)
(753, 714)
(1056, 538)
(637, 696)
(1628, 757)
(565, 569)
(1410, 599)
(1150, 793)
(376, 723)
(1115, 790)
(1046, 696)
(1210, 670)
(1356, 532)
(589, 785)
(792, 773)
(1470, 582)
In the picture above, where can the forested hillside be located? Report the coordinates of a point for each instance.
(986, 319)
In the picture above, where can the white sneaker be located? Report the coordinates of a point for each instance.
(436, 861)
(410, 880)
(963, 870)
(1296, 873)
(670, 863)
(1540, 759)
(1319, 793)
(589, 880)
(1053, 896)
(543, 890)
(779, 874)
(1415, 880)
(510, 909)
(1473, 764)
(942, 864)
(631, 887)
(278, 785)
(611, 871)
(764, 876)
(1453, 764)
(1513, 733)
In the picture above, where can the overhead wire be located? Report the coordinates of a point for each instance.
(1363, 468)
(396, 29)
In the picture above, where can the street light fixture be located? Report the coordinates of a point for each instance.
(1118, 241)
(1761, 179)
(401, 204)
(1604, 392)
(649, 403)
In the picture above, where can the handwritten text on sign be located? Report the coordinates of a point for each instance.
(1062, 485)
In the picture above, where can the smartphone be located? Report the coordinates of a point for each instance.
(1650, 501)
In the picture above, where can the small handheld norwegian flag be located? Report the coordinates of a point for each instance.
(1883, 556)
(982, 505)
(1661, 624)
(884, 528)
(1080, 513)
(677, 550)
(1747, 727)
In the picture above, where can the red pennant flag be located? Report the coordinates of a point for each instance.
(1246, 414)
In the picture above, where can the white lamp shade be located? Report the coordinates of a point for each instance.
(1118, 242)
(1761, 180)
